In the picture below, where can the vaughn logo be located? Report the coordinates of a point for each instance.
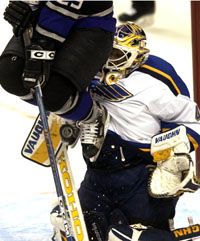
(167, 136)
(42, 54)
(34, 137)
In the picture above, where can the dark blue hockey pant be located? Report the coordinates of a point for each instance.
(105, 191)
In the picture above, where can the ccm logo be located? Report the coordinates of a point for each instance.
(42, 54)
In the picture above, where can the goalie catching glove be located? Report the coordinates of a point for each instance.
(174, 173)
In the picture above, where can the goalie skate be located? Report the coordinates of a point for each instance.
(93, 132)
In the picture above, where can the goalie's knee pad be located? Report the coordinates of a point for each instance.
(128, 233)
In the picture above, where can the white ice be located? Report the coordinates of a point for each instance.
(26, 189)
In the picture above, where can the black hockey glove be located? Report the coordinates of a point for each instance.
(20, 16)
(39, 56)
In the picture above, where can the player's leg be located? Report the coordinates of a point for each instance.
(128, 188)
(141, 207)
(96, 205)
(96, 44)
(141, 13)
(71, 71)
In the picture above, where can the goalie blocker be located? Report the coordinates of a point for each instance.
(175, 171)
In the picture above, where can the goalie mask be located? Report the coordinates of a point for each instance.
(128, 53)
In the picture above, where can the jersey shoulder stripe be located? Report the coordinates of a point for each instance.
(56, 20)
(164, 71)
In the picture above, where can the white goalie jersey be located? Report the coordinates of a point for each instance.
(152, 99)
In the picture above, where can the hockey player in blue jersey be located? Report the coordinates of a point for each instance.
(131, 190)
(81, 34)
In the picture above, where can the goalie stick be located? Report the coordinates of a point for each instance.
(187, 233)
(34, 149)
(190, 233)
(72, 219)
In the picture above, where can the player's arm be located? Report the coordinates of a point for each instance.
(174, 111)
(174, 173)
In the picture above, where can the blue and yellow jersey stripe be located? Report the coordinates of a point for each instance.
(163, 71)
(113, 93)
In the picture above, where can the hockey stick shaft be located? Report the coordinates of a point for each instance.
(48, 140)
(52, 159)
(50, 149)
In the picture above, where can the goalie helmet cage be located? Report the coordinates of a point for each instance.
(195, 27)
